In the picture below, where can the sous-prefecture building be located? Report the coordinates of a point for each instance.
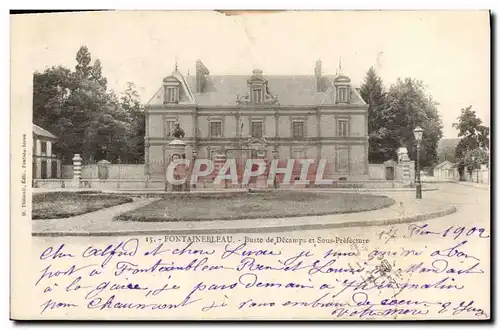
(287, 116)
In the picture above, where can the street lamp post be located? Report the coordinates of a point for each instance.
(194, 155)
(418, 132)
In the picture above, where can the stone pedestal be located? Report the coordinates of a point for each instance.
(407, 166)
(176, 150)
(261, 182)
(219, 161)
(103, 169)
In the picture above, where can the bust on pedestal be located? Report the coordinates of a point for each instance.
(408, 166)
(176, 151)
(403, 155)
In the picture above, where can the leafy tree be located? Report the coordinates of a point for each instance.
(96, 74)
(134, 120)
(475, 158)
(473, 136)
(87, 118)
(393, 114)
(409, 106)
(83, 59)
(372, 92)
(446, 150)
(405, 106)
(51, 91)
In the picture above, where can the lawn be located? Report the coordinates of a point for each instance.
(57, 205)
(276, 204)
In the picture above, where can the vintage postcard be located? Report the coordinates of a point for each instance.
(197, 165)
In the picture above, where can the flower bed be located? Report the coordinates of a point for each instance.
(276, 204)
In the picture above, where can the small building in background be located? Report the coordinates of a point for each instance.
(446, 171)
(46, 164)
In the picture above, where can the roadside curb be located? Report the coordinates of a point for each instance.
(253, 230)
(222, 192)
(485, 187)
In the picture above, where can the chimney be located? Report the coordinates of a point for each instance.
(201, 72)
(317, 73)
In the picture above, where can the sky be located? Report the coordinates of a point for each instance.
(448, 50)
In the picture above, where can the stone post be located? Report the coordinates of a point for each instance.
(103, 169)
(77, 168)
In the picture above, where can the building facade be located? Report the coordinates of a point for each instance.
(46, 164)
(446, 171)
(297, 116)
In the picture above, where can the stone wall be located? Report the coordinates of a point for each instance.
(376, 171)
(481, 175)
(116, 171)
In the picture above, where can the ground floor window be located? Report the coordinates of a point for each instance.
(342, 159)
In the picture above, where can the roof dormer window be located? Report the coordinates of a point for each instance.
(257, 92)
(257, 95)
(342, 85)
(342, 94)
(257, 85)
(172, 94)
(171, 88)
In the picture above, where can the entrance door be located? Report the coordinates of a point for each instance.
(53, 168)
(44, 169)
(389, 173)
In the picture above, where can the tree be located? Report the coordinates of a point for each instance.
(372, 92)
(475, 158)
(96, 74)
(473, 137)
(51, 90)
(393, 114)
(134, 119)
(88, 119)
(446, 150)
(88, 103)
(405, 106)
(83, 59)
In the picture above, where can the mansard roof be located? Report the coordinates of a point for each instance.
(291, 90)
(185, 95)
